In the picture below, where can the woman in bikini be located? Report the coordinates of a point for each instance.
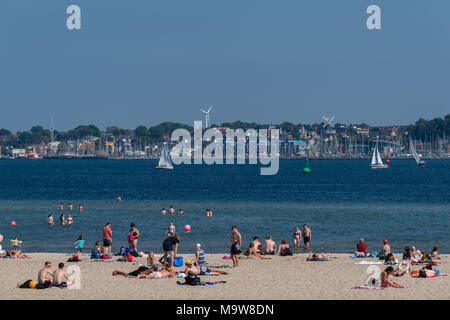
(297, 237)
(135, 232)
(69, 219)
(386, 282)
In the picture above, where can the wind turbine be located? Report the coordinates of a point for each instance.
(328, 121)
(207, 118)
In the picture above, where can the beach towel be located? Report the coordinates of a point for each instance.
(202, 283)
(369, 262)
(368, 288)
(423, 277)
(226, 257)
(221, 267)
(316, 259)
(430, 263)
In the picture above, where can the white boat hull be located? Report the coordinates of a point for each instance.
(380, 166)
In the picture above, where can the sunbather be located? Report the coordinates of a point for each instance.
(203, 270)
(386, 282)
(251, 253)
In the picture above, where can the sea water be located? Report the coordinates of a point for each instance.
(340, 200)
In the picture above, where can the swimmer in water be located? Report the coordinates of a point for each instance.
(180, 211)
(119, 199)
(80, 208)
(50, 220)
(69, 219)
(62, 219)
(70, 207)
(163, 211)
(170, 230)
(207, 212)
(61, 207)
(171, 210)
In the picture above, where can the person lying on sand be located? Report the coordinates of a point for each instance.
(59, 276)
(166, 272)
(251, 253)
(317, 256)
(386, 282)
(203, 270)
(136, 273)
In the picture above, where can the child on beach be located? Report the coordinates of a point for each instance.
(435, 253)
(79, 244)
(96, 252)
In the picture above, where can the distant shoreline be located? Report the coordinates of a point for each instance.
(281, 158)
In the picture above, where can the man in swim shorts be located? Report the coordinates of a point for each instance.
(59, 276)
(306, 236)
(45, 276)
(271, 247)
(107, 237)
(140, 272)
(236, 240)
(201, 270)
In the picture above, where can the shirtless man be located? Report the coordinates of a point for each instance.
(207, 271)
(171, 229)
(386, 282)
(61, 207)
(80, 208)
(163, 211)
(70, 207)
(166, 272)
(119, 199)
(306, 236)
(257, 245)
(45, 276)
(180, 211)
(59, 276)
(271, 247)
(171, 210)
(236, 240)
(386, 249)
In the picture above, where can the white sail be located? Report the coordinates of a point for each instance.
(414, 152)
(374, 157)
(379, 158)
(164, 160)
(377, 163)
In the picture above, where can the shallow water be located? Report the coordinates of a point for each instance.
(341, 200)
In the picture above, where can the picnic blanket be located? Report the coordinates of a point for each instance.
(203, 283)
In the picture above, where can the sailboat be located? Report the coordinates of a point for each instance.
(376, 159)
(420, 163)
(164, 160)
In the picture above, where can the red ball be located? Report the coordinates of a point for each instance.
(13, 223)
(187, 228)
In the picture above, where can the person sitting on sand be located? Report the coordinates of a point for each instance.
(435, 253)
(386, 282)
(390, 259)
(385, 250)
(59, 276)
(96, 252)
(406, 253)
(201, 270)
(151, 259)
(17, 253)
(416, 255)
(257, 245)
(251, 253)
(361, 248)
(45, 275)
(199, 255)
(283, 247)
(271, 247)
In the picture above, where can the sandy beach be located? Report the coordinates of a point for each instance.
(280, 278)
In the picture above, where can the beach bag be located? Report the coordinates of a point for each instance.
(130, 257)
(177, 262)
(124, 250)
(287, 252)
(73, 259)
(26, 284)
(134, 253)
(192, 280)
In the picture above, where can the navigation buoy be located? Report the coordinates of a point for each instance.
(187, 228)
(13, 223)
(306, 169)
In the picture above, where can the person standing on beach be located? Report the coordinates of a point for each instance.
(306, 236)
(297, 236)
(236, 240)
(135, 232)
(170, 247)
(107, 237)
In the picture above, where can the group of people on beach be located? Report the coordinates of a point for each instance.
(57, 278)
(16, 249)
(398, 268)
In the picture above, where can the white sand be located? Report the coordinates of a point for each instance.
(280, 278)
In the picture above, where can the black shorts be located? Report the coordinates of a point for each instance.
(306, 239)
(167, 246)
(106, 242)
(235, 250)
(137, 272)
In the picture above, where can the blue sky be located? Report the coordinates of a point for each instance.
(141, 62)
